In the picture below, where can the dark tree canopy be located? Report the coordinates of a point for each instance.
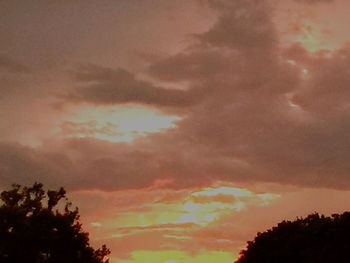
(312, 239)
(33, 229)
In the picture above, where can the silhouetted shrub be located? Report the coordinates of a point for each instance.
(33, 229)
(316, 238)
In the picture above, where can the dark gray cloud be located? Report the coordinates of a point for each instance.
(314, 1)
(242, 24)
(107, 86)
(12, 76)
(77, 164)
(10, 66)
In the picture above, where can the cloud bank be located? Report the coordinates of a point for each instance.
(251, 109)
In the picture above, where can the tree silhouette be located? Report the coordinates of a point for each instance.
(316, 238)
(36, 227)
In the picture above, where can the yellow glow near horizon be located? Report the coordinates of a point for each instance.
(177, 222)
(114, 123)
(209, 204)
(225, 190)
(198, 209)
(176, 256)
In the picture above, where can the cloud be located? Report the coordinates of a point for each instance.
(242, 24)
(328, 78)
(314, 1)
(24, 165)
(106, 86)
(13, 76)
(268, 119)
(11, 66)
(252, 111)
(221, 198)
(89, 128)
(95, 164)
(196, 65)
(77, 162)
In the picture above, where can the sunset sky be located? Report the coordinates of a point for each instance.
(180, 128)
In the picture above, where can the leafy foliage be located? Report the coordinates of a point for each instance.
(314, 239)
(34, 229)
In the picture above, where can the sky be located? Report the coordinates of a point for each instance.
(180, 128)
